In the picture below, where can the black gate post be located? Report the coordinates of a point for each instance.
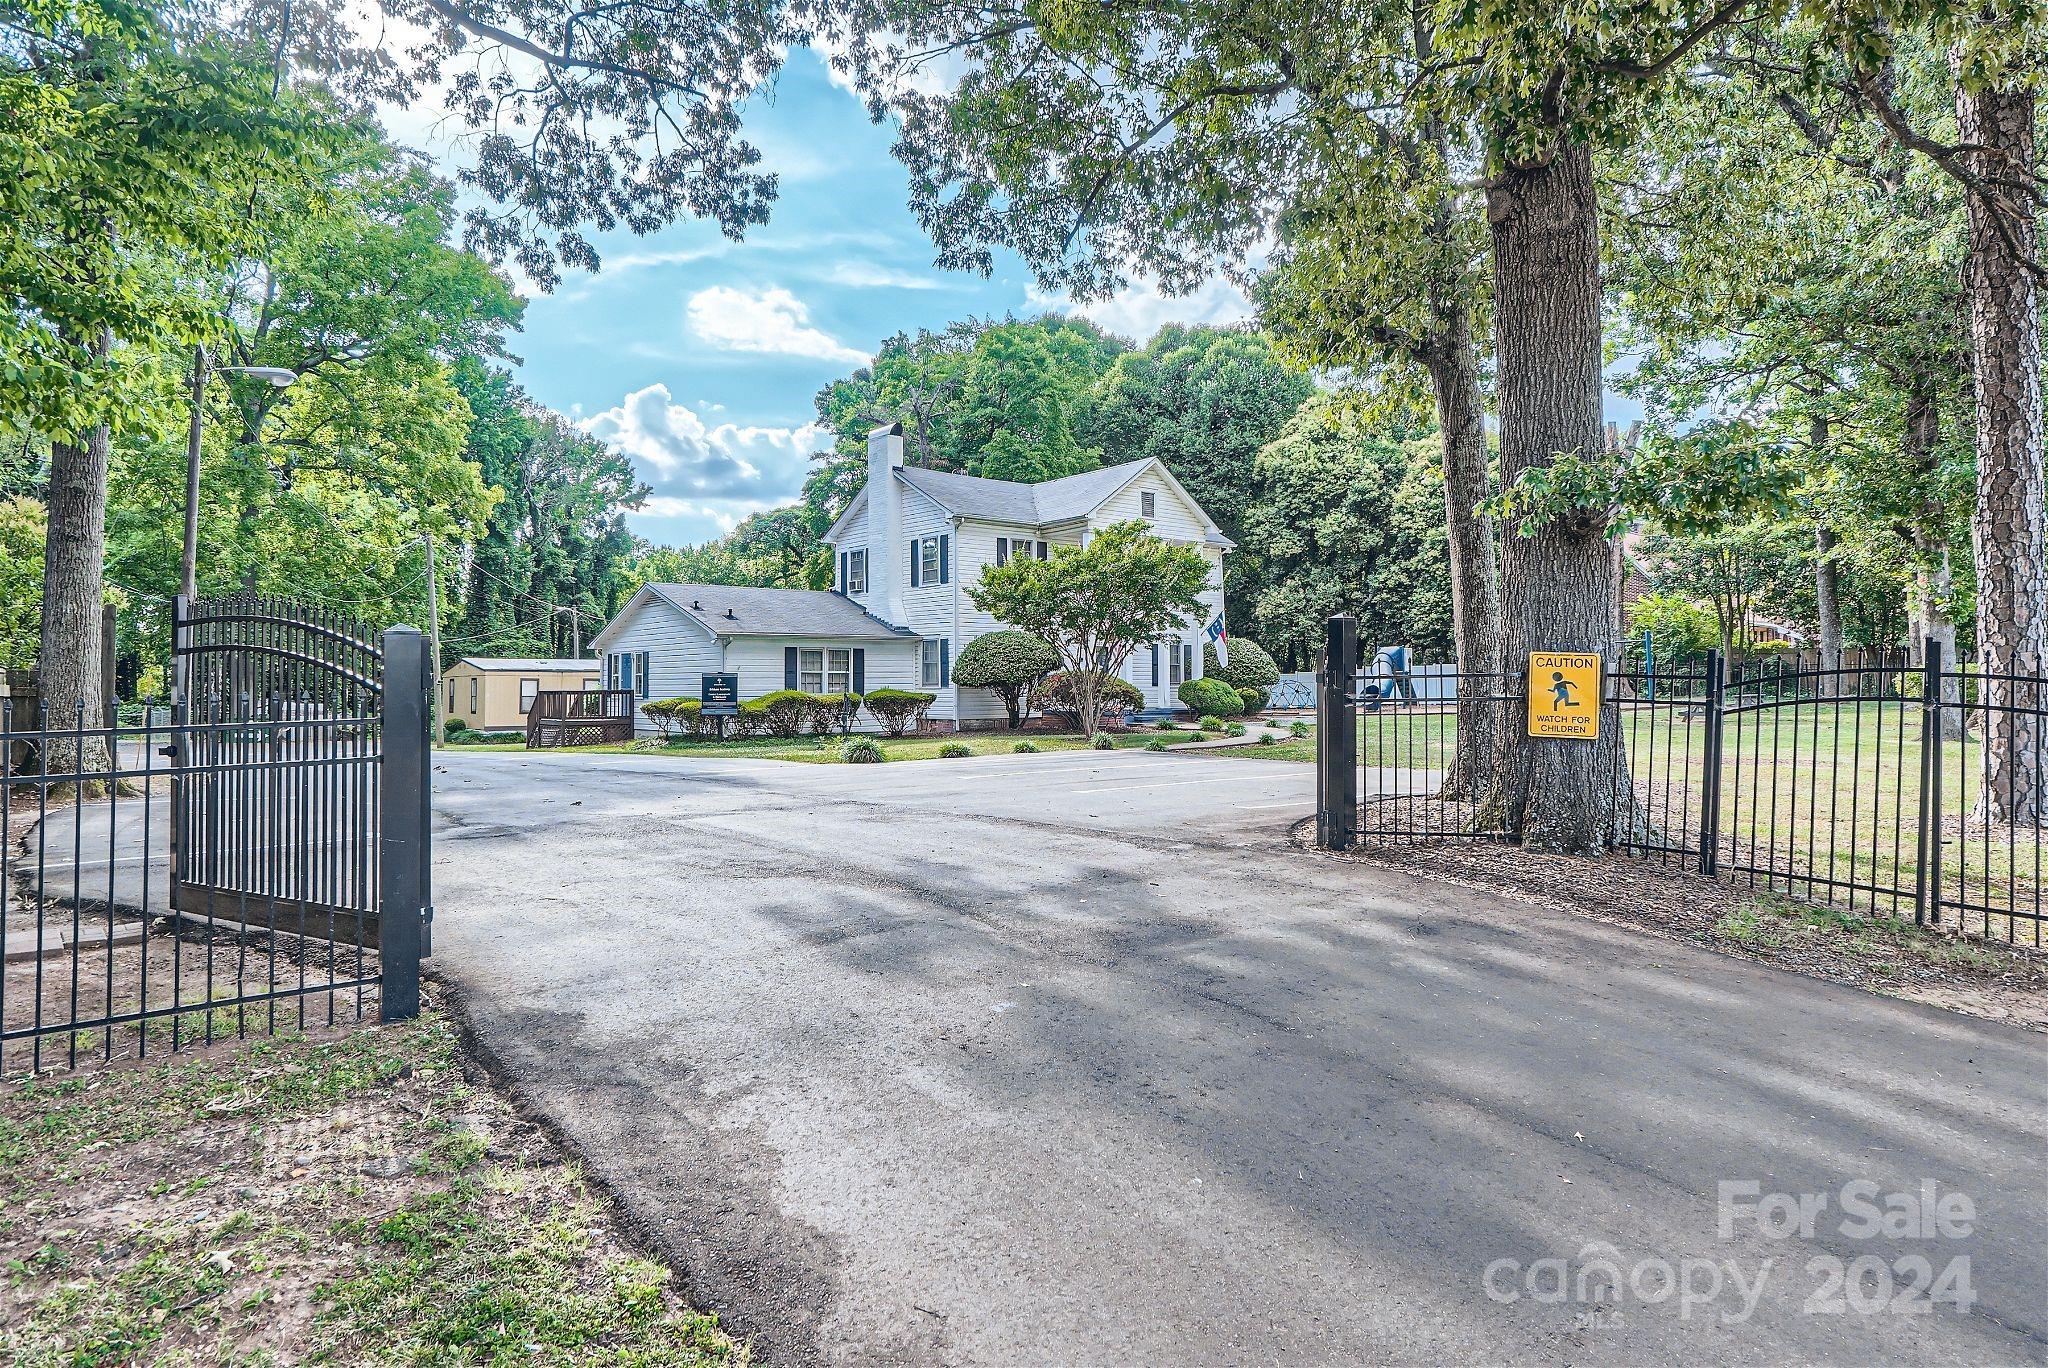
(1710, 810)
(1927, 874)
(1337, 737)
(402, 855)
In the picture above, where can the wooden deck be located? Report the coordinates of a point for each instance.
(579, 717)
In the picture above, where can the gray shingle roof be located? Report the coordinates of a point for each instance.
(776, 612)
(532, 666)
(970, 496)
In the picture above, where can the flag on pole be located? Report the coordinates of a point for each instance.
(1220, 637)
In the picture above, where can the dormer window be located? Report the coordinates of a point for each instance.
(1148, 505)
(856, 572)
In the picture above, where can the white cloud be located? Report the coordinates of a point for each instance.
(1139, 310)
(720, 472)
(864, 275)
(766, 320)
(936, 75)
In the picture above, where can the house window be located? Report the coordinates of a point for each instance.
(451, 695)
(472, 693)
(928, 671)
(1175, 675)
(856, 572)
(839, 670)
(928, 561)
(1148, 504)
(527, 689)
(810, 671)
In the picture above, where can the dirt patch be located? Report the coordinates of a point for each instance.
(364, 1199)
(1981, 978)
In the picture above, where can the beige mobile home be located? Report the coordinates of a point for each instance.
(492, 693)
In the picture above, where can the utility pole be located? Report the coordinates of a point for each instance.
(575, 629)
(434, 636)
(188, 583)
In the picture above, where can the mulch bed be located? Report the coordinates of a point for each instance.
(1982, 978)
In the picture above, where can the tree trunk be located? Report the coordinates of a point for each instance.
(74, 551)
(1475, 564)
(1828, 604)
(1553, 794)
(2009, 531)
(1934, 578)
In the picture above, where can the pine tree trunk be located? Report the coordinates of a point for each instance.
(2009, 531)
(1554, 795)
(1475, 564)
(74, 551)
(1828, 605)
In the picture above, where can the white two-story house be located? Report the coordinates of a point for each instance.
(905, 552)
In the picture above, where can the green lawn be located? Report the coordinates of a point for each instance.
(284, 1201)
(825, 750)
(1817, 791)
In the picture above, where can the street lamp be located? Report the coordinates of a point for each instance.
(276, 376)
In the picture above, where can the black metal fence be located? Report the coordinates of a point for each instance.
(253, 855)
(1906, 790)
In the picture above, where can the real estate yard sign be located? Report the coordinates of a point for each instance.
(720, 695)
(1564, 694)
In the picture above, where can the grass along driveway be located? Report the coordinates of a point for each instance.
(355, 1202)
(1811, 796)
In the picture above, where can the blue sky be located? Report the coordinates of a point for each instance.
(698, 356)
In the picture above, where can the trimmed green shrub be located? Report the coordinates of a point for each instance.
(1011, 663)
(1210, 723)
(835, 713)
(900, 710)
(674, 716)
(1297, 729)
(953, 750)
(1254, 699)
(1103, 742)
(862, 750)
(1211, 697)
(1267, 738)
(1249, 668)
(1157, 743)
(1234, 729)
(1024, 748)
(1113, 697)
(450, 729)
(786, 712)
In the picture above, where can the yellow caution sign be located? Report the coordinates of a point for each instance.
(1564, 694)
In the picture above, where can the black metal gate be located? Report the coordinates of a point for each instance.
(255, 854)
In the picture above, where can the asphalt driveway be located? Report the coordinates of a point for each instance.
(1070, 1058)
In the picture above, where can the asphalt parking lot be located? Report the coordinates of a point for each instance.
(1072, 1058)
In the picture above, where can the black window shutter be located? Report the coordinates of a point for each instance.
(914, 581)
(844, 583)
(1155, 664)
(1002, 551)
(789, 667)
(945, 662)
(860, 671)
(945, 550)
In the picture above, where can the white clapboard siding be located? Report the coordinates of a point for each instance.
(758, 661)
(679, 649)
